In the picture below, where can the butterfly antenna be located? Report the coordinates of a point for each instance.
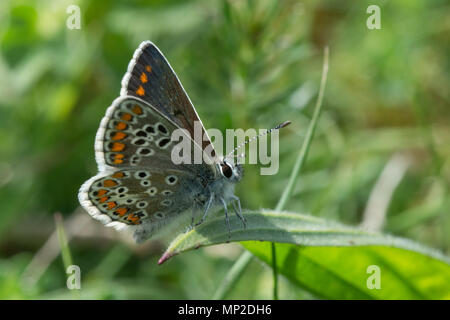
(281, 125)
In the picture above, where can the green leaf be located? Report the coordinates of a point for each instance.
(342, 272)
(330, 259)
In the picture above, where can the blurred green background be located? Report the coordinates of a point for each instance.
(245, 64)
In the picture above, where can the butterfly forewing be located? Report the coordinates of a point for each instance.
(151, 78)
(133, 134)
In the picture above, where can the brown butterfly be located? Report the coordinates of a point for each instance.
(138, 185)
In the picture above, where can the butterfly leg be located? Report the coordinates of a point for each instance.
(191, 226)
(226, 217)
(208, 205)
(238, 210)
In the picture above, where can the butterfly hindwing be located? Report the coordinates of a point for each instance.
(135, 197)
(151, 78)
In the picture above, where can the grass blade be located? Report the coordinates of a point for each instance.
(233, 275)
(63, 243)
(308, 139)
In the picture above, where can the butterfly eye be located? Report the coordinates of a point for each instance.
(226, 171)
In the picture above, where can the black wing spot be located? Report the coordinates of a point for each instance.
(162, 129)
(163, 142)
(150, 129)
(141, 133)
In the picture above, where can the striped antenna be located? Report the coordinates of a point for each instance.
(281, 125)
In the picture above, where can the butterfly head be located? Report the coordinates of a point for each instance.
(231, 172)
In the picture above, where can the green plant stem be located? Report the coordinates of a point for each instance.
(274, 271)
(232, 276)
(62, 239)
(65, 249)
(295, 174)
(307, 142)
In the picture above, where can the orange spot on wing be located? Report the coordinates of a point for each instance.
(140, 91)
(111, 204)
(118, 174)
(109, 183)
(102, 192)
(148, 68)
(144, 78)
(132, 218)
(126, 117)
(119, 136)
(118, 158)
(121, 126)
(137, 109)
(121, 211)
(117, 146)
(103, 199)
